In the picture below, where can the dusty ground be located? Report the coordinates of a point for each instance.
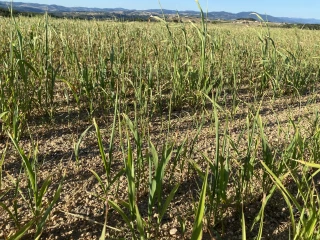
(79, 213)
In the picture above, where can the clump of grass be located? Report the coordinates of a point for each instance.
(35, 197)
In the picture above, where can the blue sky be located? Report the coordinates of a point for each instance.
(280, 8)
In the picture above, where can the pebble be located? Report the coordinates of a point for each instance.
(173, 231)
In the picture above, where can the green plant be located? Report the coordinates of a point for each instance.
(200, 212)
(35, 197)
(77, 144)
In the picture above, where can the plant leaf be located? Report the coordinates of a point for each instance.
(197, 227)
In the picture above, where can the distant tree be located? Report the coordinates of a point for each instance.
(247, 19)
(4, 12)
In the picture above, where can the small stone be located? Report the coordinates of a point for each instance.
(173, 231)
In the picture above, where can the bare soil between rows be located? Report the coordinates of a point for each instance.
(80, 213)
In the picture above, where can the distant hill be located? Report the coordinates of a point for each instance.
(121, 12)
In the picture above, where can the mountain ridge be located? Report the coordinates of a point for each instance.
(222, 15)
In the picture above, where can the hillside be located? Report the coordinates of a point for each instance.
(133, 14)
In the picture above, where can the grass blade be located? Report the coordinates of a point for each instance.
(168, 201)
(197, 227)
(22, 231)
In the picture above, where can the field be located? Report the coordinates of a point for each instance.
(118, 130)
